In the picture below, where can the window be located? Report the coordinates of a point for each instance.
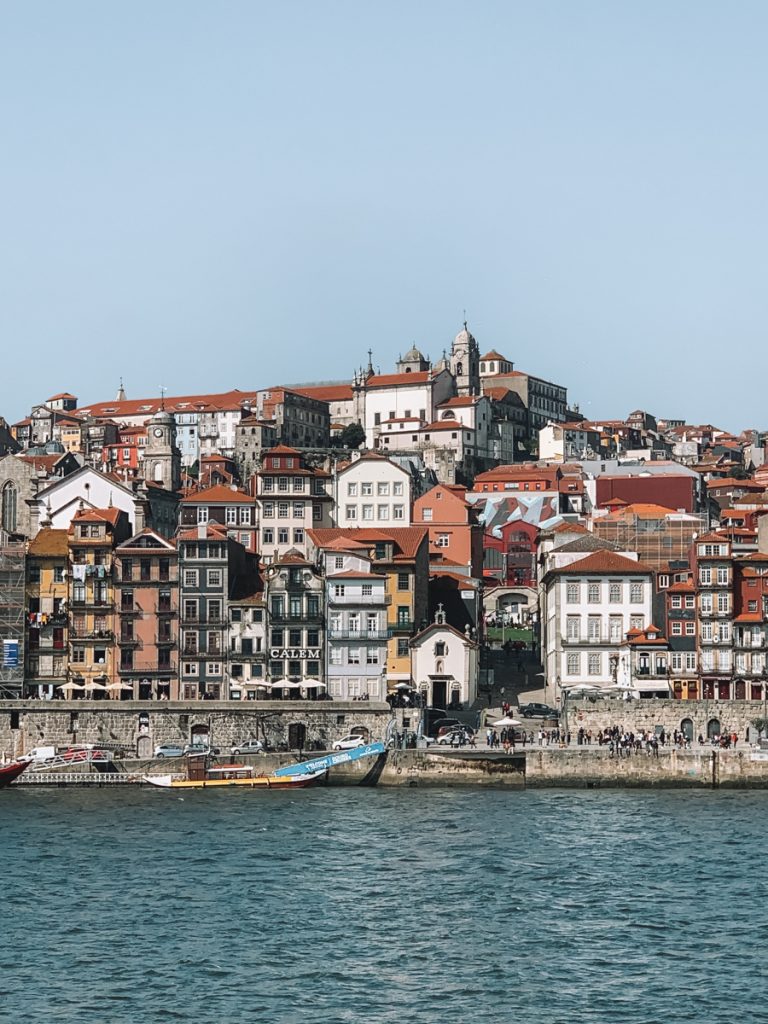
(677, 629)
(426, 515)
(214, 578)
(231, 516)
(403, 581)
(690, 661)
(367, 511)
(722, 576)
(676, 601)
(245, 517)
(338, 562)
(372, 656)
(594, 665)
(663, 581)
(706, 604)
(282, 510)
(573, 665)
(572, 593)
(190, 578)
(9, 507)
(635, 621)
(572, 627)
(268, 536)
(353, 656)
(282, 536)
(298, 509)
(615, 626)
(752, 606)
(402, 648)
(351, 511)
(690, 601)
(706, 632)
(269, 483)
(351, 490)
(367, 590)
(202, 514)
(398, 512)
(298, 535)
(636, 592)
(593, 592)
(335, 656)
(614, 592)
(593, 628)
(382, 512)
(338, 590)
(690, 629)
(34, 574)
(317, 512)
(78, 655)
(443, 540)
(282, 483)
(366, 490)
(268, 509)
(382, 489)
(723, 603)
(397, 490)
(58, 574)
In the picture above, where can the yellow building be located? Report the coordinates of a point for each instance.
(46, 601)
(92, 537)
(70, 434)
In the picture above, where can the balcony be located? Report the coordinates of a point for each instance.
(131, 641)
(98, 604)
(287, 617)
(203, 620)
(593, 641)
(91, 634)
(402, 626)
(164, 640)
(148, 667)
(358, 634)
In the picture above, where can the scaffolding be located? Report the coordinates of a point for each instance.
(12, 616)
(657, 540)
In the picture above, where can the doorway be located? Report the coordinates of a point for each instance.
(686, 728)
(439, 693)
(143, 748)
(297, 736)
(713, 728)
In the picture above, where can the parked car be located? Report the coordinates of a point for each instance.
(168, 750)
(456, 736)
(199, 749)
(535, 710)
(248, 747)
(349, 743)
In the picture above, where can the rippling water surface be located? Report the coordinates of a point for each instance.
(382, 905)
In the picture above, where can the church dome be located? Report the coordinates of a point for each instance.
(162, 416)
(464, 337)
(413, 356)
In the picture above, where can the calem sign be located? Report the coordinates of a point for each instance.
(295, 653)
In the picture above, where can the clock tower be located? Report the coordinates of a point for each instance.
(162, 459)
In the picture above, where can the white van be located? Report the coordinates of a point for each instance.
(39, 754)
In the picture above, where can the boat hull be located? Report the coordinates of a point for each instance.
(10, 772)
(252, 782)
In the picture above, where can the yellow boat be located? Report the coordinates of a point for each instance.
(243, 775)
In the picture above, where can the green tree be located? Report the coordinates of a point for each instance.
(352, 436)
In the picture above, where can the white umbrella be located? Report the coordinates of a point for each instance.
(285, 684)
(403, 686)
(93, 685)
(506, 720)
(581, 688)
(119, 686)
(70, 686)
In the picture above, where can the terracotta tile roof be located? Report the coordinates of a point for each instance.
(225, 401)
(389, 380)
(46, 462)
(445, 425)
(493, 354)
(49, 543)
(326, 392)
(213, 531)
(566, 527)
(712, 538)
(218, 495)
(62, 394)
(281, 449)
(604, 562)
(459, 401)
(407, 538)
(681, 588)
(97, 515)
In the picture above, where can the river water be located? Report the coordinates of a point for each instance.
(335, 905)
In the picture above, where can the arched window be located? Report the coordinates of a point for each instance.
(158, 472)
(459, 369)
(9, 522)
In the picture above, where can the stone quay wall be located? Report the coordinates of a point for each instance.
(595, 768)
(644, 715)
(139, 726)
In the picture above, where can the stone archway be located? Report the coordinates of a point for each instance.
(713, 728)
(686, 728)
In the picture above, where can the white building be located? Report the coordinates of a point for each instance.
(413, 394)
(444, 664)
(357, 632)
(247, 644)
(587, 609)
(291, 498)
(373, 490)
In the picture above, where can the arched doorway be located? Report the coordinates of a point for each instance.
(297, 735)
(686, 728)
(713, 728)
(201, 734)
(143, 748)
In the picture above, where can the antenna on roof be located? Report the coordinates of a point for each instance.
(162, 397)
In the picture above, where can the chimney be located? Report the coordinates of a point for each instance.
(201, 531)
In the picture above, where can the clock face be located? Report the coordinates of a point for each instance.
(158, 431)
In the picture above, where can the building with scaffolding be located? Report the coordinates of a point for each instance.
(658, 534)
(12, 615)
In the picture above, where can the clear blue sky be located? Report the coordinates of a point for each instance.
(237, 194)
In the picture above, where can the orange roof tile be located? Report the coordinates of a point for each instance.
(388, 380)
(49, 543)
(604, 562)
(407, 538)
